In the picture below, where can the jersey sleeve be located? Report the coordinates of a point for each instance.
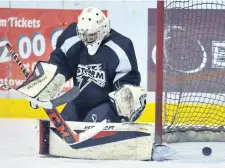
(127, 69)
(60, 55)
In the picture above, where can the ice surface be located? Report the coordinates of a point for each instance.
(18, 150)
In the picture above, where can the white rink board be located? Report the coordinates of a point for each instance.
(18, 149)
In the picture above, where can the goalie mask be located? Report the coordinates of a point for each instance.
(92, 27)
(129, 101)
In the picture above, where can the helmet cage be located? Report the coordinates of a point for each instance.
(86, 37)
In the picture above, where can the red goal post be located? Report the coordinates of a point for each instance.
(159, 71)
(190, 71)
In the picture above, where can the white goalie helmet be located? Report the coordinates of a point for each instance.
(92, 27)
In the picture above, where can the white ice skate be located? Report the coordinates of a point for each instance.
(162, 152)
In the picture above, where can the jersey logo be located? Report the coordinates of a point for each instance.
(90, 73)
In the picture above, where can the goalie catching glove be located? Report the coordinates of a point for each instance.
(129, 101)
(45, 83)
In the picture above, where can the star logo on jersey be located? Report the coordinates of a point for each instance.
(90, 73)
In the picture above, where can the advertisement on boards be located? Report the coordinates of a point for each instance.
(194, 50)
(33, 33)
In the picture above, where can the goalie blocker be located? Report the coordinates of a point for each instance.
(117, 141)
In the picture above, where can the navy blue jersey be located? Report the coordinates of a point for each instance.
(113, 65)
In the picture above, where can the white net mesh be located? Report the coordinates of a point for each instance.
(194, 70)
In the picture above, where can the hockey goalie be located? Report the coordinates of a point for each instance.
(102, 63)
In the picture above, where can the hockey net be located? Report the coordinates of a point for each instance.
(193, 80)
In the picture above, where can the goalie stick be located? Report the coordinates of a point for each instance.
(69, 136)
(65, 98)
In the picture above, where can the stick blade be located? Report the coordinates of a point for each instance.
(66, 97)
